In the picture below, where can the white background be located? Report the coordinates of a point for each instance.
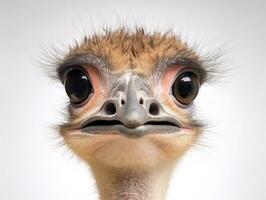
(233, 163)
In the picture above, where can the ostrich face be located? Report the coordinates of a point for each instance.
(131, 97)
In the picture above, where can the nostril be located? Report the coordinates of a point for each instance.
(122, 101)
(110, 109)
(141, 101)
(154, 109)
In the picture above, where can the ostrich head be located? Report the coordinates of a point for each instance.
(130, 113)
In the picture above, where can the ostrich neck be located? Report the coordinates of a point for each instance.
(114, 184)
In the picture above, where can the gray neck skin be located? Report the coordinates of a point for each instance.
(132, 185)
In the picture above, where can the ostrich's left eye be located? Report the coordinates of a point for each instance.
(77, 85)
(186, 87)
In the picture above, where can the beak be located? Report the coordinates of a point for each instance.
(133, 114)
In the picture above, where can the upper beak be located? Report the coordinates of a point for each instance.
(133, 116)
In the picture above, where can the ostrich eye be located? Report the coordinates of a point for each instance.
(186, 87)
(77, 85)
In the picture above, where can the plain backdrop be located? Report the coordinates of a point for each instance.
(232, 163)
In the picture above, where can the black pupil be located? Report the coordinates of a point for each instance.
(185, 86)
(78, 86)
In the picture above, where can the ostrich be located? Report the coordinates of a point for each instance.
(130, 113)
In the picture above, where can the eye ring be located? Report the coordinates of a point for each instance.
(185, 87)
(78, 85)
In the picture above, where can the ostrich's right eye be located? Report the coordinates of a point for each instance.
(77, 85)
